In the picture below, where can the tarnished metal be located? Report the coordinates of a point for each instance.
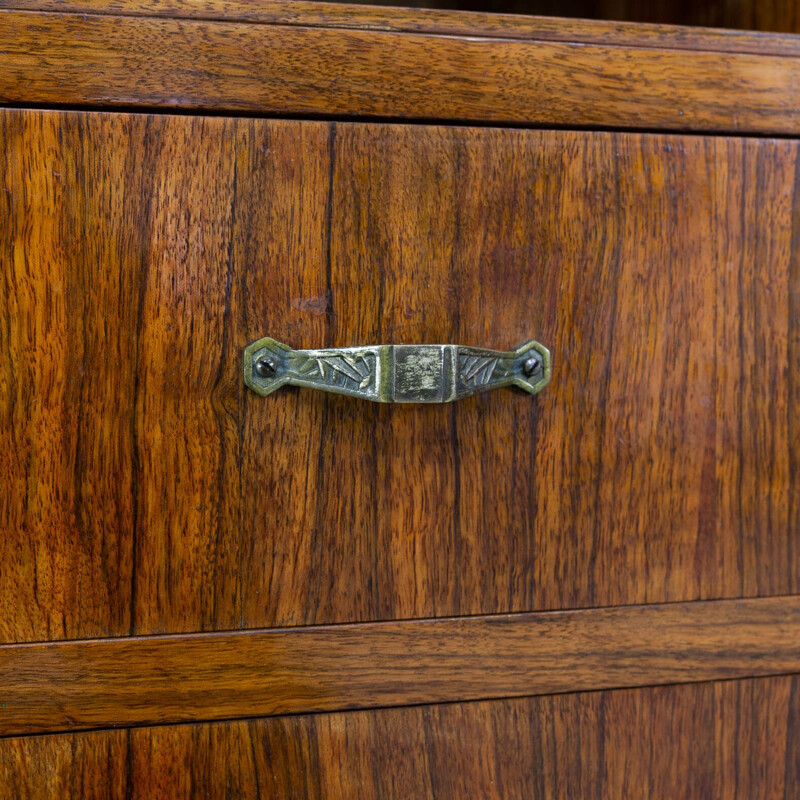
(397, 373)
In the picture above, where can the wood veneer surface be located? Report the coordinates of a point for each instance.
(731, 739)
(143, 490)
(227, 66)
(599, 29)
(144, 680)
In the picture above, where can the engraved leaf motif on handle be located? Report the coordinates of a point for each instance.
(479, 370)
(332, 368)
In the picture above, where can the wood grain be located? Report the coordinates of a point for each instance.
(675, 741)
(143, 490)
(661, 463)
(50, 58)
(134, 681)
(67, 502)
(766, 16)
(187, 435)
(91, 766)
(733, 739)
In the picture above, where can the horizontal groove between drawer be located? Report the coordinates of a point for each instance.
(60, 686)
(105, 61)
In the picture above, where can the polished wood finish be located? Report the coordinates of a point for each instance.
(134, 681)
(89, 766)
(418, 20)
(99, 60)
(733, 739)
(67, 453)
(144, 491)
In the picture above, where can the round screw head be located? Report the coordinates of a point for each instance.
(264, 367)
(530, 366)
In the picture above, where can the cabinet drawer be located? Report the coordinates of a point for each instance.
(148, 491)
(593, 591)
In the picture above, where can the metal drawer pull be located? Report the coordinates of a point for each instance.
(397, 373)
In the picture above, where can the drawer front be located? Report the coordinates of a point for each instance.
(145, 490)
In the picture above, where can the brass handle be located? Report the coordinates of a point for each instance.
(397, 373)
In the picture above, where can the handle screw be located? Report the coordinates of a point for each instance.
(265, 367)
(530, 366)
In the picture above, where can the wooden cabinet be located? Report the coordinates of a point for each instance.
(593, 592)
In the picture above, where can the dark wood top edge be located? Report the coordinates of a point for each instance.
(433, 21)
(169, 679)
(100, 61)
